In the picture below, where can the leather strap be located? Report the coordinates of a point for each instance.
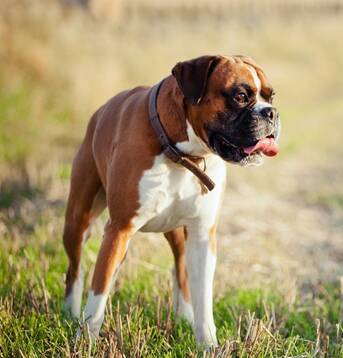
(169, 149)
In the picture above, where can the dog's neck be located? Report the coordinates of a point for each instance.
(194, 145)
(174, 119)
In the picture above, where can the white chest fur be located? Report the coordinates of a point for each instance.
(170, 195)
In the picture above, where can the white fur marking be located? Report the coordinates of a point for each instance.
(170, 195)
(256, 80)
(201, 284)
(73, 300)
(94, 313)
(182, 308)
(194, 145)
(260, 101)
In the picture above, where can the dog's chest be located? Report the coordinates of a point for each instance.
(170, 195)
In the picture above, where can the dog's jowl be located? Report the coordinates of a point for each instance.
(156, 158)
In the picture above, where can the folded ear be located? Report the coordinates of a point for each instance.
(192, 76)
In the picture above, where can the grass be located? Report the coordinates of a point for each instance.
(251, 322)
(139, 320)
(276, 287)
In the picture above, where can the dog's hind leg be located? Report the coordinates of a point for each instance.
(181, 293)
(86, 201)
(98, 206)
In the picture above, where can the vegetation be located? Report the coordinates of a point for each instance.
(280, 249)
(139, 319)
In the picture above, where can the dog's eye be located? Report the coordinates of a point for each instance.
(241, 98)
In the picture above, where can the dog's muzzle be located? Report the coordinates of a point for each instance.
(253, 133)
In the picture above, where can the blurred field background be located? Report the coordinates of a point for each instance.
(281, 230)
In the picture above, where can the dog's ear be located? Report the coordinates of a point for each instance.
(192, 76)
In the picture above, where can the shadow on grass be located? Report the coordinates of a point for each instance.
(23, 206)
(14, 192)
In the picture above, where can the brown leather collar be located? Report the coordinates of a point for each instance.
(169, 149)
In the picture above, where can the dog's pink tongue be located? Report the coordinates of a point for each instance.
(267, 146)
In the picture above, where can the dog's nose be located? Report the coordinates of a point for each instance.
(269, 113)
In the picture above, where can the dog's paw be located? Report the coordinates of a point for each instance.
(206, 336)
(88, 332)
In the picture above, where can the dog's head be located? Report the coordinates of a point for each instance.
(228, 102)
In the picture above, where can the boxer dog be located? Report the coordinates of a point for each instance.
(156, 158)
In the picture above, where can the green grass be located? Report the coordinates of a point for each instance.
(139, 319)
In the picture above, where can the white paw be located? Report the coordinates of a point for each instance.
(182, 308)
(88, 331)
(71, 308)
(206, 335)
(72, 302)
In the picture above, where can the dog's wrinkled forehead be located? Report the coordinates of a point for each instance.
(235, 71)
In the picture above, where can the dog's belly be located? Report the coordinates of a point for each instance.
(170, 196)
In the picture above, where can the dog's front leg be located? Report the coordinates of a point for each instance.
(111, 255)
(201, 262)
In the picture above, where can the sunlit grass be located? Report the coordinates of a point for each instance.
(139, 320)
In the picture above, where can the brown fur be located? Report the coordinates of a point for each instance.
(227, 72)
(118, 134)
(111, 254)
(119, 145)
(176, 239)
